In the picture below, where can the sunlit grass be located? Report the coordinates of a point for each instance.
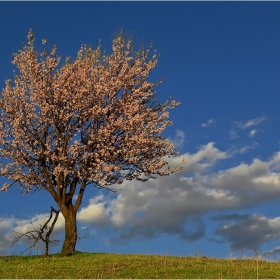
(89, 265)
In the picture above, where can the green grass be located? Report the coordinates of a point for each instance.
(89, 265)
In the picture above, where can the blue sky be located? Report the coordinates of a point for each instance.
(222, 60)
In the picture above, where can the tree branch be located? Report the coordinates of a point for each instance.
(37, 233)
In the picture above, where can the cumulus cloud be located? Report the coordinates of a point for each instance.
(166, 205)
(95, 213)
(207, 156)
(36, 221)
(9, 227)
(249, 232)
(195, 229)
(175, 204)
(5, 237)
(275, 161)
(208, 123)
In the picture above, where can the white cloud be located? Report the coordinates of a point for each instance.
(252, 133)
(208, 123)
(250, 123)
(6, 223)
(233, 134)
(245, 149)
(175, 204)
(165, 205)
(207, 156)
(275, 161)
(95, 212)
(274, 251)
(10, 226)
(6, 238)
(244, 125)
(179, 138)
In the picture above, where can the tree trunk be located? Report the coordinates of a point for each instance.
(70, 232)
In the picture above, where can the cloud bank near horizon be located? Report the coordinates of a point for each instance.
(175, 205)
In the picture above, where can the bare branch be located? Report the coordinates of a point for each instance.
(37, 233)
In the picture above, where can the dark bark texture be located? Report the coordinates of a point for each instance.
(71, 235)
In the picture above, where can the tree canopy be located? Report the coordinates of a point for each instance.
(93, 120)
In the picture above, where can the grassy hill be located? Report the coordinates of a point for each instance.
(90, 265)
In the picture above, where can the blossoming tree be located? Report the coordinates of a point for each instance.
(92, 120)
